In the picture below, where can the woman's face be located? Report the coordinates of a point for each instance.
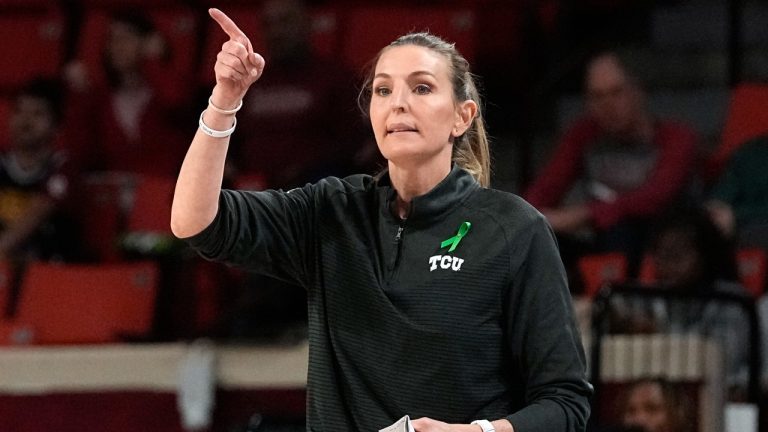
(647, 408)
(413, 112)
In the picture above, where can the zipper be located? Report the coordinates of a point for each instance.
(397, 250)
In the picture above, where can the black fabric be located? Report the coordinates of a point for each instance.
(485, 333)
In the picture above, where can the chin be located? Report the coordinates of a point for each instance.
(399, 150)
(403, 158)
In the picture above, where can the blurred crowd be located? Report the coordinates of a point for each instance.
(623, 184)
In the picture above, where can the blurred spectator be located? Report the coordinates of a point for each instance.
(35, 180)
(691, 256)
(739, 201)
(614, 168)
(126, 111)
(656, 405)
(281, 140)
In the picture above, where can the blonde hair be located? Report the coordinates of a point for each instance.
(470, 150)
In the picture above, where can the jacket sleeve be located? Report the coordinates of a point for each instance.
(677, 158)
(266, 232)
(545, 342)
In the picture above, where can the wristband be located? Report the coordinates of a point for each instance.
(213, 132)
(223, 111)
(485, 425)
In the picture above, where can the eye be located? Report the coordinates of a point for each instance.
(422, 89)
(382, 91)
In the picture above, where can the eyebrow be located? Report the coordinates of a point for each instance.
(412, 74)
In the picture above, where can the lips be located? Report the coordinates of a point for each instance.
(400, 127)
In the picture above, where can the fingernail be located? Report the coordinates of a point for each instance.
(254, 72)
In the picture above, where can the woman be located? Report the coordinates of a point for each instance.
(429, 295)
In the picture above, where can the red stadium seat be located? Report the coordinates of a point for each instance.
(120, 209)
(104, 207)
(367, 29)
(600, 269)
(6, 286)
(151, 209)
(24, 5)
(66, 304)
(34, 46)
(647, 270)
(747, 118)
(752, 265)
(12, 333)
(131, 3)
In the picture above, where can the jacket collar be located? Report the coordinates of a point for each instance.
(456, 187)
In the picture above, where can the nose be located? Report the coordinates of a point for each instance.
(399, 98)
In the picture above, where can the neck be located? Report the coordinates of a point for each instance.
(412, 182)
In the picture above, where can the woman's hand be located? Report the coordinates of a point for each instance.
(237, 66)
(426, 424)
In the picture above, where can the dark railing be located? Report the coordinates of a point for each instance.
(601, 324)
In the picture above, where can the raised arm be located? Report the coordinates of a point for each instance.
(195, 201)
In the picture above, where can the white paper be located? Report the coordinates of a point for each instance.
(402, 425)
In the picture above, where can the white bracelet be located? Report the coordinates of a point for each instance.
(485, 425)
(223, 111)
(213, 132)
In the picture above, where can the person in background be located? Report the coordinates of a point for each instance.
(429, 294)
(656, 405)
(126, 109)
(614, 169)
(691, 256)
(36, 180)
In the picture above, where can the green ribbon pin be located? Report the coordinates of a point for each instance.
(454, 241)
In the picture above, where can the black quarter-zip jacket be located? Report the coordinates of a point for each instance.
(397, 323)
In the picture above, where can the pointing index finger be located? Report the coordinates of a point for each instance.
(230, 28)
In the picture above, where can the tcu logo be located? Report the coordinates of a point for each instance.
(445, 262)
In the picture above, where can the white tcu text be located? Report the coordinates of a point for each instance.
(445, 262)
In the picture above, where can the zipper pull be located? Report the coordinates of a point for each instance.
(399, 234)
